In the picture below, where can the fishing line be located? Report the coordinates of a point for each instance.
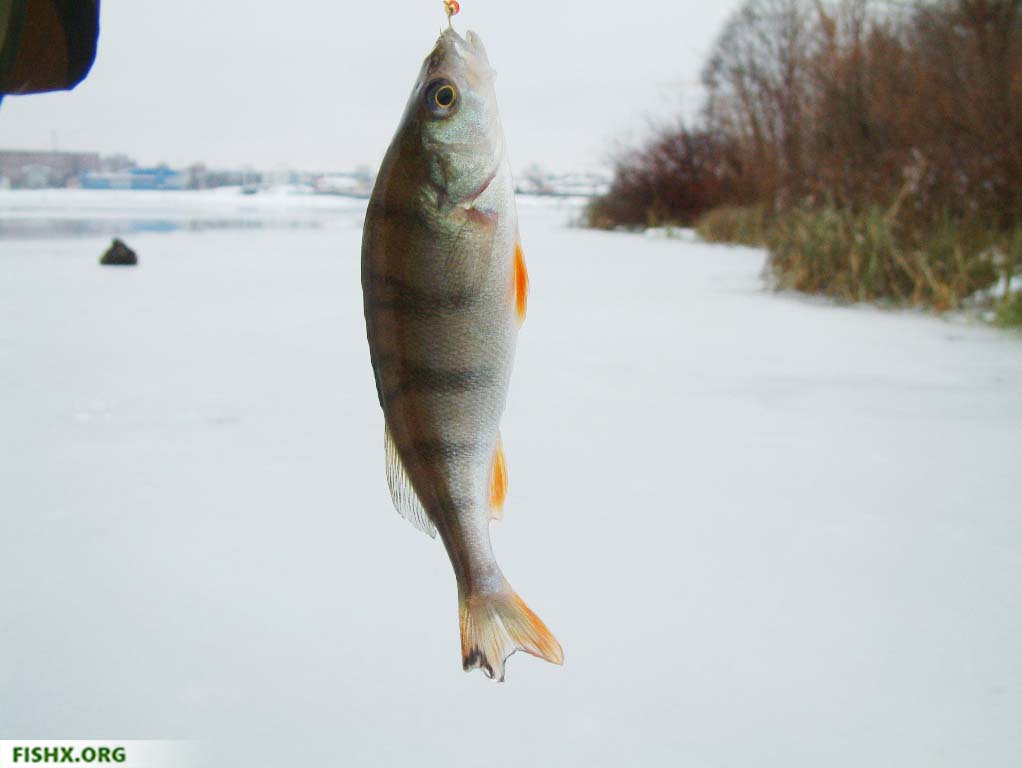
(451, 8)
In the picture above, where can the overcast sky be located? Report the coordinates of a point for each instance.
(320, 84)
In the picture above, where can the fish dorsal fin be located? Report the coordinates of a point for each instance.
(406, 500)
(521, 284)
(498, 482)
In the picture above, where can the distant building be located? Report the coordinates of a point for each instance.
(207, 178)
(537, 182)
(357, 184)
(118, 162)
(34, 169)
(136, 178)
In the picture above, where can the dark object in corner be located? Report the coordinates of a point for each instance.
(46, 45)
(119, 255)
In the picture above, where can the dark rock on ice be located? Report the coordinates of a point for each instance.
(118, 254)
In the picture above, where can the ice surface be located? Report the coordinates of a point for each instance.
(767, 531)
(46, 213)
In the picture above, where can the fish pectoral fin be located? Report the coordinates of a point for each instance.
(406, 500)
(498, 482)
(521, 284)
(495, 625)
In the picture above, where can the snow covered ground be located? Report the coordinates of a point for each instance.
(768, 531)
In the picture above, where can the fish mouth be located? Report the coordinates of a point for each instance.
(467, 48)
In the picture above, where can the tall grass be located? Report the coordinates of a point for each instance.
(872, 256)
(744, 225)
(1009, 310)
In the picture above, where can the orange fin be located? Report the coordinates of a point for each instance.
(521, 284)
(498, 482)
(495, 625)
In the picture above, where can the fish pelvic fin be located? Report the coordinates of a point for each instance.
(406, 500)
(521, 285)
(495, 625)
(498, 482)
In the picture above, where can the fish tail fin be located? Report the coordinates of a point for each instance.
(495, 625)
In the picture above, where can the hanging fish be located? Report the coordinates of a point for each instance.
(444, 285)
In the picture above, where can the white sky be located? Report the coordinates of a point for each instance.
(321, 84)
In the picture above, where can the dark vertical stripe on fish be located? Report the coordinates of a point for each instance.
(446, 450)
(401, 297)
(428, 378)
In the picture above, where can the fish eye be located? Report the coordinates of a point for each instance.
(441, 97)
(444, 97)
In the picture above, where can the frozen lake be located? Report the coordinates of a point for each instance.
(767, 531)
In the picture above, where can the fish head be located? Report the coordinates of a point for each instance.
(454, 105)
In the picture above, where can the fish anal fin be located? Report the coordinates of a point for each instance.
(406, 500)
(498, 482)
(495, 625)
(521, 284)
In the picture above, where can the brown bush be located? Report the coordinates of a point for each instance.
(823, 113)
(676, 176)
(845, 103)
